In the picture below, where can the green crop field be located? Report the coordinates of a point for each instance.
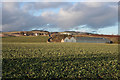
(59, 60)
(25, 39)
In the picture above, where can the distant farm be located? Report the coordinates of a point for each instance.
(67, 36)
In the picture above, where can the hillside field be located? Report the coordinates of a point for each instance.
(25, 39)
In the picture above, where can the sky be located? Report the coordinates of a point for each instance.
(93, 17)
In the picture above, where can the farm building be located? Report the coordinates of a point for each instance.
(58, 38)
(62, 40)
(86, 40)
(25, 34)
(92, 40)
(66, 39)
(66, 33)
(40, 33)
(72, 39)
(34, 33)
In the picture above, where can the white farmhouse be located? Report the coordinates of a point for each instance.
(66, 39)
(66, 33)
(62, 40)
(36, 34)
(25, 34)
(72, 39)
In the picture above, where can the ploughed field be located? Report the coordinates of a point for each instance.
(59, 60)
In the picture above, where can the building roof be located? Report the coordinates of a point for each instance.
(92, 39)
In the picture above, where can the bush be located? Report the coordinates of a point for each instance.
(22, 33)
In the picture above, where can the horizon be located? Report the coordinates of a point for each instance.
(66, 31)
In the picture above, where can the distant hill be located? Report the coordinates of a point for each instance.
(40, 30)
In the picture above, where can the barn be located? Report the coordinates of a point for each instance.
(71, 39)
(92, 40)
(66, 39)
(86, 40)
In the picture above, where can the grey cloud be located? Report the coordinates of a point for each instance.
(44, 5)
(94, 15)
(0, 17)
(16, 19)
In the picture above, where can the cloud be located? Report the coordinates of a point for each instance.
(60, 1)
(95, 15)
(42, 5)
(0, 17)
